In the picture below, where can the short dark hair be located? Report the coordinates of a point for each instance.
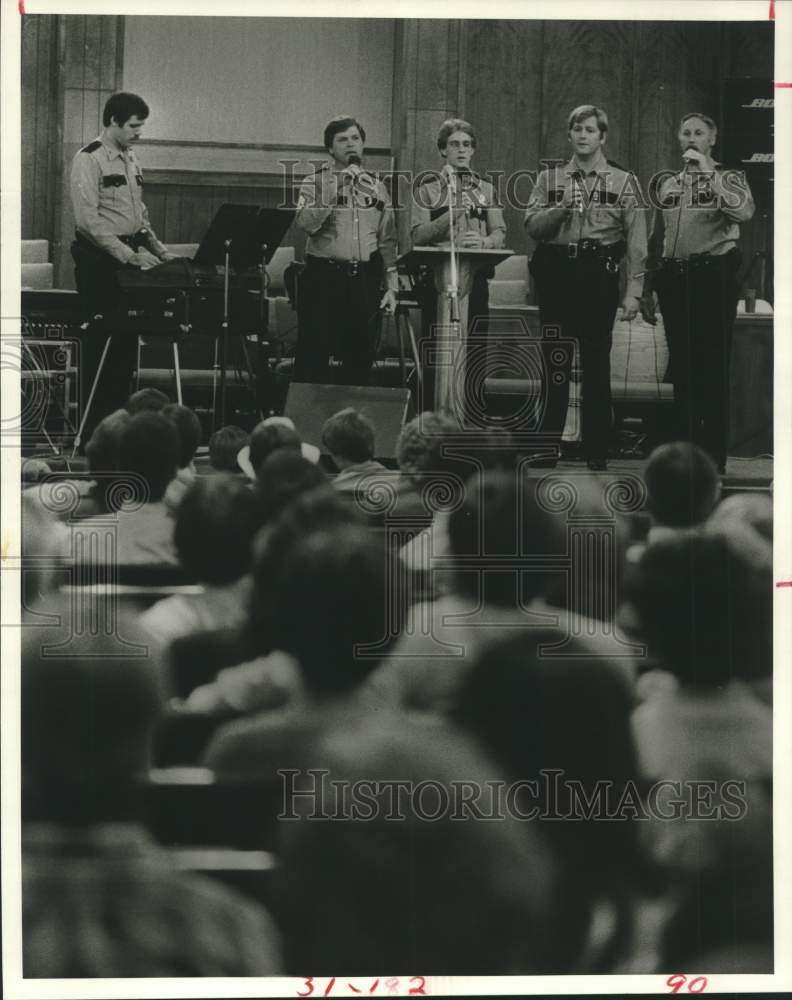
(122, 106)
(682, 484)
(102, 450)
(705, 608)
(188, 427)
(333, 598)
(88, 717)
(148, 399)
(215, 524)
(224, 446)
(451, 125)
(268, 438)
(150, 448)
(502, 516)
(284, 475)
(349, 435)
(341, 124)
(420, 445)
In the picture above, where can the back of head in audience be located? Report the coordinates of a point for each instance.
(349, 437)
(682, 483)
(501, 516)
(150, 448)
(102, 451)
(269, 436)
(224, 446)
(318, 510)
(420, 449)
(538, 714)
(704, 602)
(215, 525)
(377, 892)
(188, 427)
(88, 716)
(281, 477)
(146, 400)
(334, 609)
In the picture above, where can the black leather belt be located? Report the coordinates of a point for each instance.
(135, 241)
(348, 267)
(588, 248)
(680, 265)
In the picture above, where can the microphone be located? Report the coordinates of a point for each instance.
(688, 158)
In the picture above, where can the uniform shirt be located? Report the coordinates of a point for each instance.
(429, 224)
(701, 212)
(107, 194)
(328, 214)
(613, 210)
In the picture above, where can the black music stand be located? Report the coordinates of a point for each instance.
(242, 238)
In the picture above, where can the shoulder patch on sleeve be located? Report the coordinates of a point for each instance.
(91, 147)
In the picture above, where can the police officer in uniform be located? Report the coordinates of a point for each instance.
(478, 223)
(589, 219)
(351, 248)
(112, 231)
(697, 225)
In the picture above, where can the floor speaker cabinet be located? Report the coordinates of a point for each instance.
(309, 406)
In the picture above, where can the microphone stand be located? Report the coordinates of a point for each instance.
(224, 326)
(452, 289)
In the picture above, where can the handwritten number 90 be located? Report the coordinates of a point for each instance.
(677, 981)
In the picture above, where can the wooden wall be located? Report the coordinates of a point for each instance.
(41, 133)
(515, 80)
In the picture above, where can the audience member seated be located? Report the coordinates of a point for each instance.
(437, 469)
(188, 427)
(99, 897)
(349, 437)
(333, 610)
(504, 539)
(377, 895)
(148, 400)
(46, 552)
(143, 526)
(256, 677)
(269, 436)
(683, 487)
(224, 446)
(281, 477)
(537, 713)
(213, 535)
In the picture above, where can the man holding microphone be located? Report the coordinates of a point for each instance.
(351, 250)
(698, 226)
(589, 221)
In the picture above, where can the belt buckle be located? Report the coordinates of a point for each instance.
(612, 265)
(572, 251)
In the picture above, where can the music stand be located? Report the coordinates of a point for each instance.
(245, 238)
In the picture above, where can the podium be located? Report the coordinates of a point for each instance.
(450, 341)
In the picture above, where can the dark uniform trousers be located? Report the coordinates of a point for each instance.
(579, 296)
(96, 277)
(698, 300)
(338, 314)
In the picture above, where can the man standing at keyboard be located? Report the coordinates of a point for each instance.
(112, 231)
(350, 253)
(589, 219)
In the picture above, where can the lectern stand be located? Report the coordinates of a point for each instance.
(450, 339)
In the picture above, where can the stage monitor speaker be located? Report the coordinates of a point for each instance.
(309, 406)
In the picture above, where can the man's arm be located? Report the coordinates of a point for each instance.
(152, 243)
(542, 220)
(315, 202)
(734, 196)
(634, 223)
(424, 230)
(386, 242)
(86, 176)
